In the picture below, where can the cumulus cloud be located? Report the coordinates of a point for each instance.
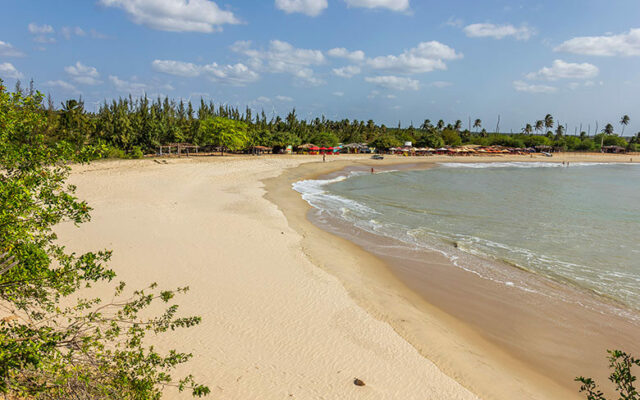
(282, 57)
(522, 32)
(7, 70)
(7, 50)
(425, 57)
(393, 5)
(564, 70)
(175, 15)
(347, 72)
(237, 74)
(63, 85)
(625, 44)
(311, 8)
(394, 82)
(341, 52)
(521, 86)
(83, 74)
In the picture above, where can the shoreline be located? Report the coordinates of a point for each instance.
(526, 381)
(289, 310)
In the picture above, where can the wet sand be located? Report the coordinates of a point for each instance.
(534, 345)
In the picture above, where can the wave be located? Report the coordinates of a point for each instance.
(525, 164)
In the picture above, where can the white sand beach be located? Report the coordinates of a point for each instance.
(277, 323)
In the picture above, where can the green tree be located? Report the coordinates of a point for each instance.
(624, 121)
(621, 376)
(223, 133)
(477, 124)
(89, 348)
(548, 121)
(539, 125)
(451, 137)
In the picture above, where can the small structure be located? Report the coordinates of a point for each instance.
(613, 149)
(178, 149)
(356, 148)
(259, 150)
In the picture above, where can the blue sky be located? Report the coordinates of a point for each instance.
(387, 60)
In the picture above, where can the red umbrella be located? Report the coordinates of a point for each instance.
(323, 148)
(314, 148)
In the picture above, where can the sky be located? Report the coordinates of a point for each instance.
(393, 61)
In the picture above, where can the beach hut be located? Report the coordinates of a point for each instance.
(613, 149)
(259, 150)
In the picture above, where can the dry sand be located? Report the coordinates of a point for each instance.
(288, 310)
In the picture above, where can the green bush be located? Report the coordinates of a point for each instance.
(136, 153)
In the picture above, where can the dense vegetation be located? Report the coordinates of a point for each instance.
(133, 126)
(52, 344)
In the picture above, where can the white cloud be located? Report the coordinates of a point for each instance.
(394, 82)
(347, 72)
(67, 32)
(7, 50)
(341, 52)
(40, 29)
(178, 68)
(7, 70)
(44, 39)
(338, 94)
(521, 86)
(426, 57)
(454, 22)
(394, 5)
(284, 98)
(61, 85)
(175, 15)
(282, 57)
(128, 87)
(522, 32)
(311, 8)
(564, 70)
(625, 44)
(237, 74)
(83, 74)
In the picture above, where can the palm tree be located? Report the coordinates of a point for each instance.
(426, 125)
(477, 124)
(608, 130)
(458, 125)
(527, 129)
(559, 131)
(548, 121)
(539, 125)
(440, 125)
(624, 122)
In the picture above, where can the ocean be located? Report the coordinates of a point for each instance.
(576, 225)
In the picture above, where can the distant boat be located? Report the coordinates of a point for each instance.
(377, 157)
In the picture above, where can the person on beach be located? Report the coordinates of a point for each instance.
(372, 171)
(324, 157)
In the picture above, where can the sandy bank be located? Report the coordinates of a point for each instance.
(274, 325)
(289, 310)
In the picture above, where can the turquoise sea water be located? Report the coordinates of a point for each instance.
(578, 225)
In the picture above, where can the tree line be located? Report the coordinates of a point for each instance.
(134, 126)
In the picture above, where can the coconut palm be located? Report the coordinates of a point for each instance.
(527, 129)
(458, 125)
(559, 131)
(548, 121)
(539, 125)
(426, 124)
(624, 121)
(440, 125)
(608, 129)
(477, 124)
